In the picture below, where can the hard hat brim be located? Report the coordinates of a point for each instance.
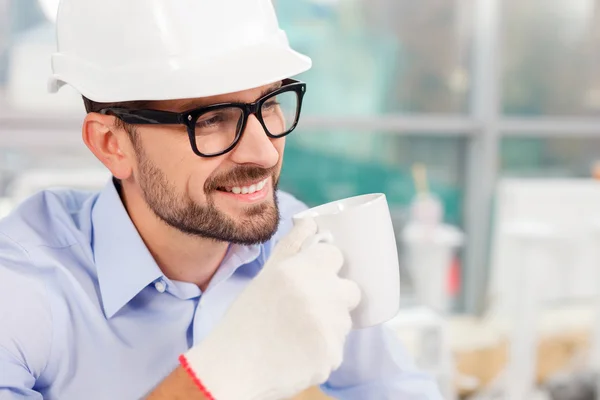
(249, 68)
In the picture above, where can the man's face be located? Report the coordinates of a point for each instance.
(197, 195)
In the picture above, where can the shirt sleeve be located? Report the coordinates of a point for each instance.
(25, 327)
(377, 366)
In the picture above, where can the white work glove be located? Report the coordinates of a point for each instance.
(286, 331)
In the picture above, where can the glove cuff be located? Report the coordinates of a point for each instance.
(186, 366)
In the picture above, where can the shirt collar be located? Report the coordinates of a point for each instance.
(124, 264)
(239, 259)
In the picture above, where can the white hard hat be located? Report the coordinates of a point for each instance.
(115, 50)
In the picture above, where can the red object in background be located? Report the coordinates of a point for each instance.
(454, 278)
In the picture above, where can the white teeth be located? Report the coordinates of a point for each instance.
(249, 189)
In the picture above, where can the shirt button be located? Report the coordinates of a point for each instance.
(160, 286)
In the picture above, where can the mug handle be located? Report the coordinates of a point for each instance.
(321, 237)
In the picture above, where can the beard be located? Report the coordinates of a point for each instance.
(257, 225)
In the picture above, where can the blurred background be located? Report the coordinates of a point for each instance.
(480, 121)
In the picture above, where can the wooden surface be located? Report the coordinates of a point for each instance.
(313, 393)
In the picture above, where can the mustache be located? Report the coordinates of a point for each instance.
(238, 177)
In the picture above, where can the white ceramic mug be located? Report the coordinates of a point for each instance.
(361, 227)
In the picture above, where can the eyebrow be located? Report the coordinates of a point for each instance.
(195, 103)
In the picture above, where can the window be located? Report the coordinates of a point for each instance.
(394, 82)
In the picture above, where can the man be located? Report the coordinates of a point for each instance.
(189, 103)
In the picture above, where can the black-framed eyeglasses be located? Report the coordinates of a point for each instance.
(216, 129)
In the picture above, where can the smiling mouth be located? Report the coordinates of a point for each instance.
(255, 187)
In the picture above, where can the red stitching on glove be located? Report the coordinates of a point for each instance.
(186, 366)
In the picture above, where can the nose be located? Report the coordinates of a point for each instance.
(255, 147)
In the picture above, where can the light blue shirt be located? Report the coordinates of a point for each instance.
(87, 314)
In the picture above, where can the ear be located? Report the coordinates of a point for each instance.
(109, 143)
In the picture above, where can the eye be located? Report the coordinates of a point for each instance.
(210, 120)
(270, 105)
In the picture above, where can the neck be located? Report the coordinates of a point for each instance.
(181, 257)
